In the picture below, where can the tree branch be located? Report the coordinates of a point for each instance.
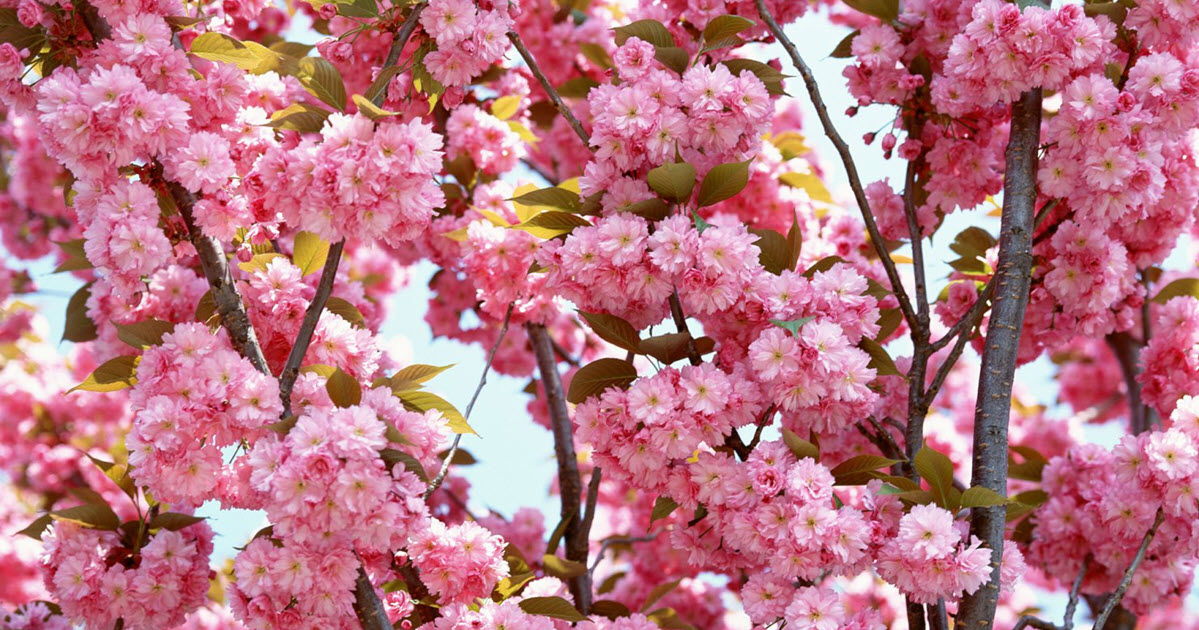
(851, 170)
(1127, 350)
(397, 48)
(367, 605)
(549, 89)
(994, 401)
(610, 542)
(1126, 581)
(234, 318)
(445, 464)
(569, 485)
(312, 316)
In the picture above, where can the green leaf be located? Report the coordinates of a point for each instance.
(578, 87)
(391, 457)
(663, 507)
(774, 250)
(505, 107)
(936, 469)
(596, 54)
(595, 377)
(609, 584)
(35, 529)
(357, 8)
(771, 78)
(610, 609)
(423, 401)
(174, 521)
(614, 330)
(657, 593)
(799, 446)
(462, 457)
(562, 569)
(76, 257)
(78, 327)
(323, 81)
(793, 325)
(118, 474)
(345, 310)
(512, 584)
(1028, 470)
(554, 607)
(672, 347)
(824, 264)
(652, 209)
(879, 359)
(794, 244)
(558, 198)
(651, 31)
(114, 374)
(979, 496)
(309, 252)
(888, 322)
(92, 515)
(885, 10)
(411, 376)
(854, 471)
(809, 183)
(722, 31)
(700, 224)
(145, 333)
(300, 117)
(344, 390)
(724, 181)
(1115, 11)
(259, 262)
(673, 57)
(225, 49)
(844, 49)
(1180, 287)
(369, 109)
(674, 181)
(552, 223)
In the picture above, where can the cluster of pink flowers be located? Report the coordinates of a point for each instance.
(662, 419)
(1006, 50)
(324, 484)
(35, 616)
(489, 142)
(194, 395)
(929, 558)
(92, 578)
(122, 238)
(1102, 503)
(459, 563)
(817, 374)
(618, 267)
(1092, 279)
(291, 586)
(357, 181)
(1171, 358)
(470, 37)
(707, 116)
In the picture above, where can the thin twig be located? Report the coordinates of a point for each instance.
(397, 48)
(593, 486)
(449, 456)
(1126, 581)
(970, 319)
(976, 315)
(851, 170)
(549, 89)
(680, 323)
(1028, 621)
(610, 542)
(312, 316)
(1072, 604)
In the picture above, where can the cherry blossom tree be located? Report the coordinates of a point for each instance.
(767, 408)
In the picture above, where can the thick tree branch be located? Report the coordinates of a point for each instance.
(570, 487)
(851, 170)
(1127, 350)
(555, 98)
(449, 456)
(367, 606)
(224, 292)
(312, 316)
(993, 406)
(1126, 581)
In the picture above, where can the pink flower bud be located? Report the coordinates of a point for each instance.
(328, 11)
(868, 138)
(888, 142)
(30, 13)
